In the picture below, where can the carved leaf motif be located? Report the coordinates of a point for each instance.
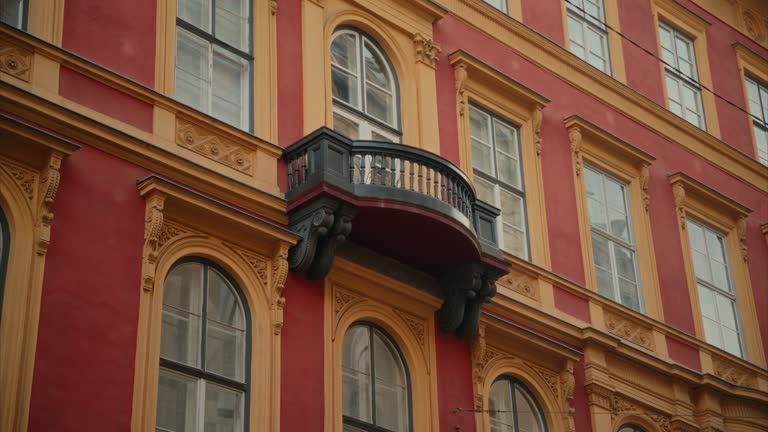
(574, 136)
(15, 61)
(26, 179)
(679, 191)
(645, 176)
(733, 373)
(341, 299)
(257, 263)
(549, 377)
(460, 75)
(620, 405)
(628, 330)
(203, 142)
(426, 50)
(599, 395)
(168, 232)
(280, 269)
(741, 230)
(538, 116)
(416, 325)
(521, 284)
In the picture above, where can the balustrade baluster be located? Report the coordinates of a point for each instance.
(421, 178)
(442, 186)
(410, 176)
(429, 179)
(304, 167)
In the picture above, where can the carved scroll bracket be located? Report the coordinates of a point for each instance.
(322, 223)
(574, 136)
(741, 231)
(460, 75)
(278, 274)
(567, 388)
(679, 192)
(645, 177)
(466, 289)
(538, 117)
(426, 50)
(153, 227)
(49, 185)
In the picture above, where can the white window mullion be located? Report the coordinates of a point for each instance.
(200, 405)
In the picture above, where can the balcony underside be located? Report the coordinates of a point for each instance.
(400, 202)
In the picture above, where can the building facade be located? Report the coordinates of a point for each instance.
(384, 215)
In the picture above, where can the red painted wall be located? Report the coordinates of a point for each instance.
(290, 98)
(454, 382)
(643, 70)
(582, 417)
(119, 35)
(684, 354)
(571, 304)
(302, 402)
(546, 17)
(83, 377)
(105, 99)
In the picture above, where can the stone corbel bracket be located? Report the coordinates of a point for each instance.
(466, 288)
(153, 225)
(323, 224)
(49, 185)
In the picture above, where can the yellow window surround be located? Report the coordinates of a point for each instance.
(356, 293)
(750, 64)
(480, 83)
(699, 201)
(695, 27)
(264, 67)
(544, 366)
(259, 267)
(615, 46)
(403, 30)
(613, 156)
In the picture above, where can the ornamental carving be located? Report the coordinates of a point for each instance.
(280, 269)
(415, 325)
(620, 405)
(552, 379)
(567, 389)
(153, 227)
(426, 50)
(679, 192)
(203, 142)
(628, 330)
(460, 75)
(599, 396)
(273, 7)
(15, 61)
(574, 136)
(733, 373)
(25, 178)
(49, 185)
(538, 117)
(521, 284)
(257, 263)
(645, 176)
(741, 231)
(170, 231)
(341, 299)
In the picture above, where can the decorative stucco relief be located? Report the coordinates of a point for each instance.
(733, 373)
(25, 178)
(629, 330)
(15, 61)
(426, 50)
(206, 143)
(521, 284)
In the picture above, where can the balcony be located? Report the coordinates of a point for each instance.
(406, 203)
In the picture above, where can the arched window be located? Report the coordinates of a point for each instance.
(630, 428)
(375, 387)
(512, 408)
(5, 246)
(365, 93)
(203, 352)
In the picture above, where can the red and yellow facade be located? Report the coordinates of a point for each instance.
(106, 181)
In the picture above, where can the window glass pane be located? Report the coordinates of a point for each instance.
(389, 368)
(696, 236)
(344, 52)
(576, 36)
(180, 336)
(356, 369)
(230, 75)
(376, 70)
(223, 304)
(356, 350)
(183, 287)
(725, 311)
(12, 12)
(528, 417)
(507, 154)
(224, 350)
(501, 410)
(625, 262)
(629, 295)
(707, 301)
(223, 409)
(195, 12)
(378, 104)
(731, 342)
(666, 45)
(232, 23)
(479, 125)
(515, 241)
(482, 158)
(345, 87)
(712, 332)
(715, 246)
(192, 70)
(720, 276)
(485, 191)
(512, 209)
(761, 138)
(346, 126)
(754, 99)
(701, 266)
(176, 402)
(391, 391)
(498, 4)
(509, 170)
(764, 102)
(506, 139)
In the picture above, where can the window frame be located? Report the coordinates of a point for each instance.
(694, 27)
(698, 201)
(199, 373)
(673, 72)
(372, 427)
(24, 17)
(592, 145)
(732, 296)
(632, 245)
(614, 43)
(349, 111)
(751, 65)
(513, 381)
(632, 428)
(598, 24)
(246, 118)
(499, 184)
(758, 123)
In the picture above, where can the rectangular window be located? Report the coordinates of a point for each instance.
(757, 94)
(588, 33)
(613, 243)
(498, 173)
(12, 12)
(498, 4)
(214, 59)
(715, 286)
(681, 75)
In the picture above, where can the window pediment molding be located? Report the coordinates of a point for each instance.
(751, 61)
(596, 142)
(410, 16)
(691, 22)
(693, 195)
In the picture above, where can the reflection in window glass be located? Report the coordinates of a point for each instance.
(717, 296)
(13, 12)
(587, 32)
(681, 75)
(613, 245)
(512, 408)
(374, 382)
(757, 96)
(498, 177)
(202, 384)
